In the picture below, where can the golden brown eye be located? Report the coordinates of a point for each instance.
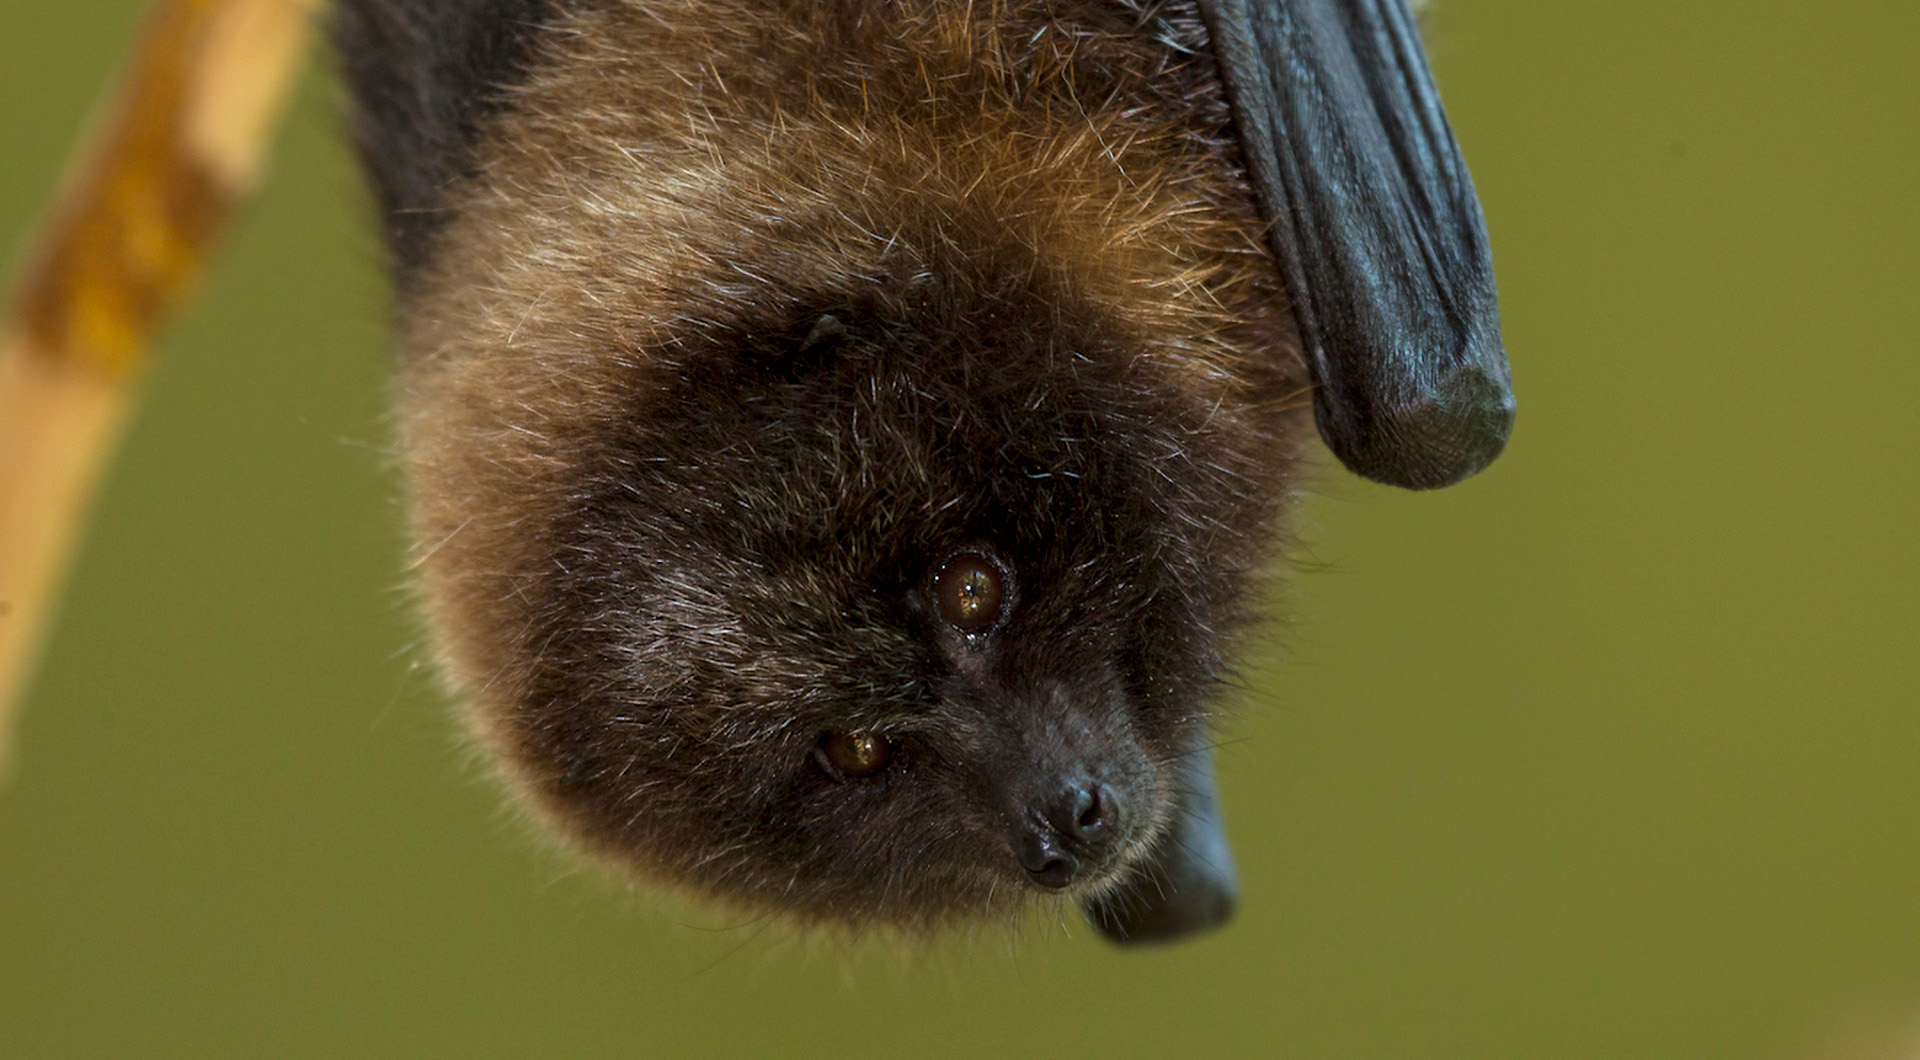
(969, 592)
(856, 754)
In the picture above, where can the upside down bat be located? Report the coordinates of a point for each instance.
(845, 437)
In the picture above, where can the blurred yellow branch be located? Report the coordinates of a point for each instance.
(179, 146)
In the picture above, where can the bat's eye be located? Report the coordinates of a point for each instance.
(969, 591)
(856, 754)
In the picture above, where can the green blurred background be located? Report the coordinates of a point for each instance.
(1613, 751)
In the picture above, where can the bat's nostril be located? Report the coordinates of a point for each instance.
(1049, 863)
(1064, 835)
(1056, 873)
(1094, 809)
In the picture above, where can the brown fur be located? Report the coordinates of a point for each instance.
(1035, 202)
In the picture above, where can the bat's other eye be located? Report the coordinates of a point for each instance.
(969, 591)
(855, 754)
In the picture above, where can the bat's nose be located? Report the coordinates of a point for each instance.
(1067, 830)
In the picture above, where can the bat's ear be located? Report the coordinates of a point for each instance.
(1377, 230)
(1187, 883)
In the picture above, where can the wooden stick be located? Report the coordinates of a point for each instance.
(180, 146)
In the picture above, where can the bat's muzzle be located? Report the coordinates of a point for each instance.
(1072, 833)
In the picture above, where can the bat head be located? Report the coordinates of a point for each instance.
(839, 512)
(892, 605)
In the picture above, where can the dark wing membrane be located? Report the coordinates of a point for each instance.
(1377, 229)
(1187, 883)
(423, 76)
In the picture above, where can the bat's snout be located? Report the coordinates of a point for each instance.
(1072, 833)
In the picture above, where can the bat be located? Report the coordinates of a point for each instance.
(846, 439)
(845, 436)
